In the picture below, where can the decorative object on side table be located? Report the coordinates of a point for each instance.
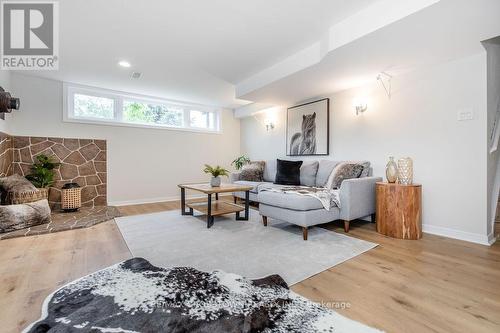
(405, 171)
(216, 173)
(71, 197)
(391, 170)
(42, 173)
(239, 162)
(399, 210)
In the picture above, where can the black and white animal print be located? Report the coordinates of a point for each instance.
(135, 296)
(304, 143)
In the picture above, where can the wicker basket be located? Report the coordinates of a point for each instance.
(71, 197)
(17, 198)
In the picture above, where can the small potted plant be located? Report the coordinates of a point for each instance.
(216, 173)
(240, 162)
(42, 173)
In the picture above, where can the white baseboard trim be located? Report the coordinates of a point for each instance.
(491, 238)
(458, 234)
(158, 200)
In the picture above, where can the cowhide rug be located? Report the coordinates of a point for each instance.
(135, 296)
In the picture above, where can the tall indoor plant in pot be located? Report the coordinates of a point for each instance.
(216, 173)
(42, 173)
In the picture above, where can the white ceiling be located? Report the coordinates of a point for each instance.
(444, 31)
(216, 51)
(187, 50)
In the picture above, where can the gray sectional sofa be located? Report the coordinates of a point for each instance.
(357, 196)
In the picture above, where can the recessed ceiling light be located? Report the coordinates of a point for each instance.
(125, 64)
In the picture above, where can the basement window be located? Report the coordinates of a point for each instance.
(99, 106)
(93, 106)
(201, 119)
(135, 112)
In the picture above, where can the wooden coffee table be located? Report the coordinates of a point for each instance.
(211, 209)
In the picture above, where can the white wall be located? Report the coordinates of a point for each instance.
(144, 165)
(5, 83)
(419, 121)
(493, 74)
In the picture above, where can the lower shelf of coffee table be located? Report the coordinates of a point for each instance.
(218, 208)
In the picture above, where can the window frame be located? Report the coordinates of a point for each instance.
(70, 89)
(202, 111)
(150, 101)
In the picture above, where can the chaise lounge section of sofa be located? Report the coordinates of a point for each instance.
(357, 196)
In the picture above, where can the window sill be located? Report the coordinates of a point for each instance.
(157, 127)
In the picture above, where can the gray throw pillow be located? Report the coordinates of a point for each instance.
(325, 169)
(253, 171)
(343, 171)
(270, 171)
(308, 172)
(14, 217)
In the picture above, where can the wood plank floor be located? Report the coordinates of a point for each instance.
(431, 285)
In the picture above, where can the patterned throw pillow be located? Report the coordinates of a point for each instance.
(253, 171)
(343, 171)
(366, 167)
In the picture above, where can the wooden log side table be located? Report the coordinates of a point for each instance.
(399, 210)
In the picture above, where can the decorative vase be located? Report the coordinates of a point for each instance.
(215, 181)
(391, 170)
(405, 171)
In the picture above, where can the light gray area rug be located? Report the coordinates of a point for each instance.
(247, 248)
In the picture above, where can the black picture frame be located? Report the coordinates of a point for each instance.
(288, 143)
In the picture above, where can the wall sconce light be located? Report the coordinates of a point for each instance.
(268, 118)
(360, 105)
(269, 125)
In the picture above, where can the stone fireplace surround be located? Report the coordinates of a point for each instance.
(83, 161)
